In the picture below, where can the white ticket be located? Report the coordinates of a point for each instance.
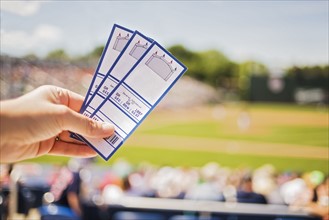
(135, 96)
(135, 48)
(116, 42)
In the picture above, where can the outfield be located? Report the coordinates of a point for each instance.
(289, 137)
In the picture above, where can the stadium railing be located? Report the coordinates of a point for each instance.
(142, 208)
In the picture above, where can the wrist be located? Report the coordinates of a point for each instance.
(9, 123)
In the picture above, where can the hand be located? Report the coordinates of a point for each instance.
(38, 123)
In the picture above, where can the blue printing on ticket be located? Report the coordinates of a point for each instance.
(101, 60)
(114, 64)
(108, 73)
(152, 106)
(96, 92)
(97, 74)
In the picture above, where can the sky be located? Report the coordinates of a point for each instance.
(277, 33)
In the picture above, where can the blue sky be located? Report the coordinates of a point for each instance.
(277, 33)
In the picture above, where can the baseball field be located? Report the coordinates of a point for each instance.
(290, 137)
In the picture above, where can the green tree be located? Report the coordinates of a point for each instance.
(96, 53)
(308, 71)
(210, 66)
(30, 57)
(190, 59)
(90, 59)
(216, 67)
(58, 55)
(310, 76)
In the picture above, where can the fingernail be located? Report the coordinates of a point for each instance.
(107, 126)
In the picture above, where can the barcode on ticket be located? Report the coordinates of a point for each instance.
(114, 140)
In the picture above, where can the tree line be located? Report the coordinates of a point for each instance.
(216, 69)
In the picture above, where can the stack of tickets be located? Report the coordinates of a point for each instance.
(134, 73)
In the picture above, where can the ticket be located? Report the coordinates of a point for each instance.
(135, 96)
(135, 48)
(117, 40)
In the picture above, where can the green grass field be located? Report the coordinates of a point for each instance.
(288, 136)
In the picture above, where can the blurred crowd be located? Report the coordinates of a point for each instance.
(81, 180)
(19, 76)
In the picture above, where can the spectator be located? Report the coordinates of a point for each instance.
(245, 193)
(66, 189)
(321, 206)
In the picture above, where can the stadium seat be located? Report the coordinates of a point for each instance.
(25, 200)
(124, 215)
(192, 217)
(55, 212)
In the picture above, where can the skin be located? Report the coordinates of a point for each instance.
(73, 200)
(30, 124)
(320, 209)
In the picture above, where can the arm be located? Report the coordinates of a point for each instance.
(74, 203)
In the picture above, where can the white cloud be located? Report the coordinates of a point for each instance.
(22, 8)
(20, 42)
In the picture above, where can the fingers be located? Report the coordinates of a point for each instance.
(75, 122)
(85, 126)
(71, 149)
(68, 98)
(65, 136)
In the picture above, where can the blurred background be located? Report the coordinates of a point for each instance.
(247, 123)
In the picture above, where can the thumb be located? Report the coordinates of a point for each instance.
(85, 126)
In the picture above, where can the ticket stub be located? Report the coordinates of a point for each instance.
(117, 40)
(135, 96)
(135, 48)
